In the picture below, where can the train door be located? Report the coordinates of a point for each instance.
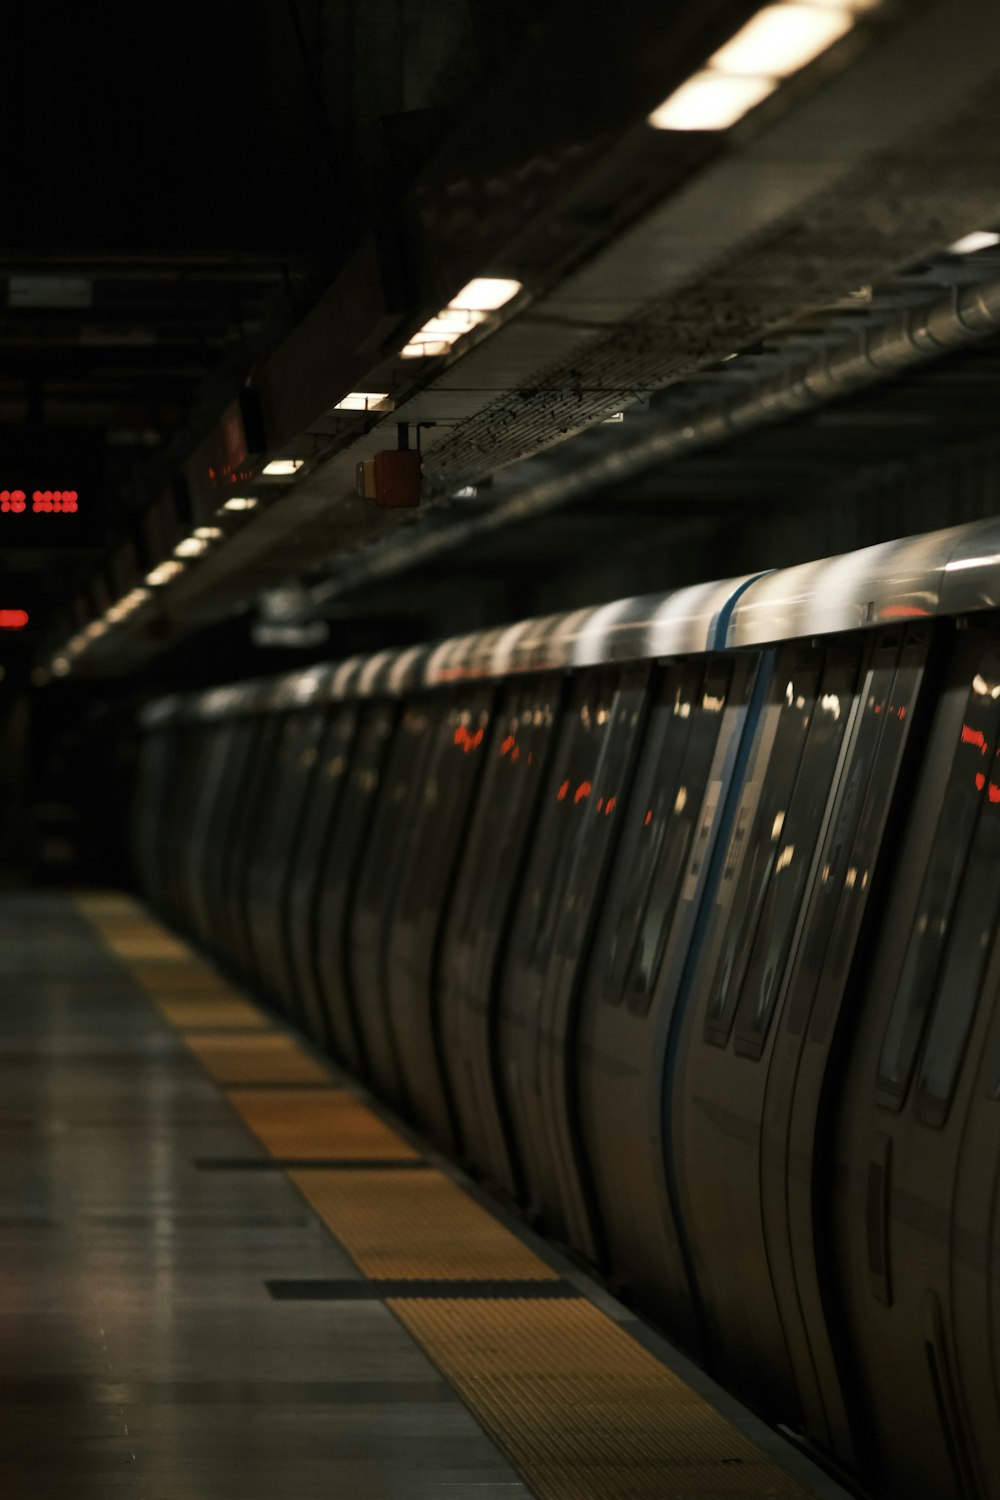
(696, 720)
(900, 1139)
(223, 821)
(152, 803)
(288, 802)
(338, 881)
(440, 823)
(400, 792)
(264, 732)
(486, 890)
(220, 736)
(587, 786)
(718, 1083)
(301, 969)
(802, 1075)
(262, 849)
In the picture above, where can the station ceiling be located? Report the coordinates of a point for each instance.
(264, 203)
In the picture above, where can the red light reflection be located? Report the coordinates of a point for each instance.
(975, 737)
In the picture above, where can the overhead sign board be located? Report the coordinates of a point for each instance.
(51, 490)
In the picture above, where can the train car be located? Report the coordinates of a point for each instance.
(675, 921)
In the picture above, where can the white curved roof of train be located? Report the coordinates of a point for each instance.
(954, 571)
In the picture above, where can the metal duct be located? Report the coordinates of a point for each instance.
(913, 336)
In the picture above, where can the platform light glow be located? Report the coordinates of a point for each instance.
(240, 502)
(283, 468)
(208, 533)
(361, 401)
(979, 239)
(60, 666)
(775, 43)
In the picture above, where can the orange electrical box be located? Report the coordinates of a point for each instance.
(391, 478)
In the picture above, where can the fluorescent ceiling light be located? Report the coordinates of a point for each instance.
(207, 533)
(164, 573)
(781, 39)
(240, 502)
(282, 467)
(979, 239)
(710, 101)
(474, 302)
(420, 349)
(485, 294)
(455, 319)
(776, 42)
(191, 546)
(361, 401)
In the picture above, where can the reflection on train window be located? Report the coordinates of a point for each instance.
(843, 882)
(792, 858)
(965, 795)
(677, 758)
(757, 842)
(601, 723)
(439, 804)
(659, 782)
(970, 944)
(525, 721)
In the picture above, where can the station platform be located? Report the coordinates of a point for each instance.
(228, 1273)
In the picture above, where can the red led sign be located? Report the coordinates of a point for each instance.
(42, 501)
(13, 619)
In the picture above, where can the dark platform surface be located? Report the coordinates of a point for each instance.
(141, 1350)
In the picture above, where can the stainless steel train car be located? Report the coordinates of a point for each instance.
(675, 921)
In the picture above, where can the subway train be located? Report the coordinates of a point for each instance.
(674, 921)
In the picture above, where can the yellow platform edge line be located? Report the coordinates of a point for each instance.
(416, 1225)
(582, 1410)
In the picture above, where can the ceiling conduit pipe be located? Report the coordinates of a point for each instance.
(912, 337)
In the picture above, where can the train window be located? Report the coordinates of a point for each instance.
(970, 944)
(757, 843)
(794, 855)
(525, 721)
(965, 794)
(658, 780)
(585, 788)
(844, 878)
(404, 780)
(331, 771)
(665, 807)
(452, 767)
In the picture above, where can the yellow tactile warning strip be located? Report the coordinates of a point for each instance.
(97, 905)
(582, 1410)
(419, 1225)
(273, 1057)
(211, 1014)
(328, 1127)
